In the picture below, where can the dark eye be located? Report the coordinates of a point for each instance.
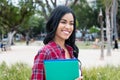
(63, 22)
(71, 23)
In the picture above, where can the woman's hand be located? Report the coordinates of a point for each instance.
(80, 78)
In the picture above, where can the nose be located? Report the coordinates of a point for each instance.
(67, 25)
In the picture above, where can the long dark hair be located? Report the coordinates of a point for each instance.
(52, 25)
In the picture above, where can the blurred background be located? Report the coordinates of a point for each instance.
(22, 20)
(22, 30)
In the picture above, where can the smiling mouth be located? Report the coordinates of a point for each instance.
(66, 32)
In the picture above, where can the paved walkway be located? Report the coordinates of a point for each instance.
(88, 57)
(91, 57)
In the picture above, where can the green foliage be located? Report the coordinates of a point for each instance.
(12, 16)
(84, 44)
(94, 30)
(100, 4)
(18, 71)
(86, 16)
(107, 3)
(102, 73)
(77, 24)
(35, 25)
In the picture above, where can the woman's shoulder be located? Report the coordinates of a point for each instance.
(46, 51)
(48, 47)
(43, 52)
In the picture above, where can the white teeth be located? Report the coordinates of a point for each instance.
(66, 32)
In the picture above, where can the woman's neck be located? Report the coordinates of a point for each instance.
(61, 43)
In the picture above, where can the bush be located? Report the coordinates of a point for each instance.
(18, 71)
(102, 73)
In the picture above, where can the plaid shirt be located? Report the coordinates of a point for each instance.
(49, 51)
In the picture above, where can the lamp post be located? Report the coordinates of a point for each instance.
(102, 34)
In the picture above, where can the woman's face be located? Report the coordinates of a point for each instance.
(65, 27)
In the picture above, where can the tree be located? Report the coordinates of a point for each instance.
(108, 4)
(118, 19)
(86, 16)
(33, 27)
(111, 8)
(94, 29)
(46, 6)
(12, 16)
(114, 11)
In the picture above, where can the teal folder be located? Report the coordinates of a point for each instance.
(61, 69)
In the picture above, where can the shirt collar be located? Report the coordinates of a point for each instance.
(69, 48)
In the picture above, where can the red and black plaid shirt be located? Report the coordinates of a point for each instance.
(49, 51)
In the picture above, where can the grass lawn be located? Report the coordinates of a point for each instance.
(20, 71)
(86, 45)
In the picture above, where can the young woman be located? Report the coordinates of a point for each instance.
(59, 41)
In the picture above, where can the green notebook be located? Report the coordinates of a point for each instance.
(67, 69)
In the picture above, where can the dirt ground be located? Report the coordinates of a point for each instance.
(88, 57)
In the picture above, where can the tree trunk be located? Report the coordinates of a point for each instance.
(112, 24)
(114, 20)
(10, 38)
(108, 32)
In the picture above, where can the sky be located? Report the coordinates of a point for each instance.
(60, 1)
(90, 0)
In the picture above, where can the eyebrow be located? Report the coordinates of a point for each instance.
(66, 20)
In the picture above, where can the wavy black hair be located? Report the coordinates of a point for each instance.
(52, 24)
